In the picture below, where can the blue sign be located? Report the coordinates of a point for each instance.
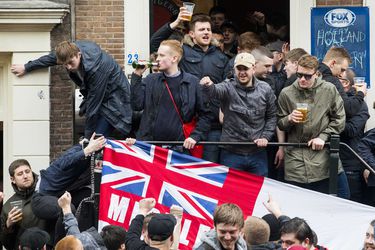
(346, 27)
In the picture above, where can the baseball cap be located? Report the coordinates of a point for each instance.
(275, 46)
(245, 59)
(34, 238)
(161, 226)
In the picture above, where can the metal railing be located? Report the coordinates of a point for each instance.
(333, 145)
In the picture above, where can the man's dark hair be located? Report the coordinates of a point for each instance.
(113, 236)
(217, 10)
(15, 164)
(203, 18)
(276, 19)
(299, 228)
(217, 31)
(372, 223)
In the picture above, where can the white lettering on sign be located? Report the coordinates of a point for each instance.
(118, 208)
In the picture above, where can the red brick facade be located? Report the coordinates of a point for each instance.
(61, 95)
(102, 21)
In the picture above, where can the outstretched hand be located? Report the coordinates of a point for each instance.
(18, 69)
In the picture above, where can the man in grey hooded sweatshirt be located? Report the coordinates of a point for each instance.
(228, 222)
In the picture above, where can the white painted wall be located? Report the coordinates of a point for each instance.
(137, 30)
(370, 98)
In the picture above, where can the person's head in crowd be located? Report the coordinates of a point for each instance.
(217, 15)
(113, 237)
(369, 241)
(153, 56)
(228, 222)
(218, 38)
(169, 55)
(200, 30)
(291, 61)
(256, 231)
(276, 48)
(160, 230)
(307, 71)
(274, 225)
(146, 221)
(177, 35)
(230, 31)
(263, 62)
(347, 79)
(69, 242)
(248, 41)
(244, 68)
(21, 174)
(33, 238)
(277, 25)
(68, 54)
(338, 60)
(296, 232)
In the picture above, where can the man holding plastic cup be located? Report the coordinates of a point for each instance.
(308, 167)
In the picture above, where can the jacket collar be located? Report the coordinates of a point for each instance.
(185, 77)
(26, 193)
(324, 70)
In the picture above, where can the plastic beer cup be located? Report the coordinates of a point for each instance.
(190, 8)
(302, 107)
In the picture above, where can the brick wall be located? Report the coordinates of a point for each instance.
(61, 95)
(339, 2)
(102, 21)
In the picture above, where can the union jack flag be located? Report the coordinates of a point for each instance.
(198, 186)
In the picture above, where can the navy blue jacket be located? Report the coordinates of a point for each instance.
(352, 135)
(146, 94)
(63, 172)
(212, 63)
(366, 149)
(105, 88)
(352, 104)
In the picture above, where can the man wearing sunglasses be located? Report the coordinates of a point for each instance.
(308, 167)
(334, 64)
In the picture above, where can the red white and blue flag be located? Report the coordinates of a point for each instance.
(131, 173)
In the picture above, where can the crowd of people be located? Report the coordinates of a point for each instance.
(211, 83)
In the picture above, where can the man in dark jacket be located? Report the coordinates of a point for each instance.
(62, 173)
(17, 214)
(200, 59)
(102, 82)
(352, 135)
(171, 94)
(159, 230)
(366, 149)
(335, 62)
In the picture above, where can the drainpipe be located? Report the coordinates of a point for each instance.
(73, 19)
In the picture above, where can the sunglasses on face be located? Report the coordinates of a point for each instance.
(306, 76)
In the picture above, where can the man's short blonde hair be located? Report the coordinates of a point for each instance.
(69, 242)
(229, 214)
(295, 54)
(66, 51)
(256, 231)
(175, 46)
(338, 54)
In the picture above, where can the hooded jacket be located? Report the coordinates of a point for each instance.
(10, 236)
(211, 242)
(250, 112)
(326, 116)
(91, 239)
(102, 82)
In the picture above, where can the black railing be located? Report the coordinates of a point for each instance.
(333, 145)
